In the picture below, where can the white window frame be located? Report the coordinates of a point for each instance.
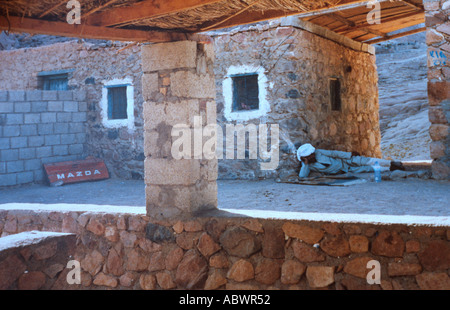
(227, 91)
(118, 123)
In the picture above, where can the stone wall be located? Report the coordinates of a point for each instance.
(297, 71)
(35, 260)
(130, 251)
(39, 127)
(298, 64)
(438, 41)
(93, 65)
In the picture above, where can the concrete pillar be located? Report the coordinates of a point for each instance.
(179, 90)
(438, 41)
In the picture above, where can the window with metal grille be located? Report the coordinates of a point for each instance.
(245, 92)
(117, 102)
(335, 94)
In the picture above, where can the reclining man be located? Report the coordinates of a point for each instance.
(335, 162)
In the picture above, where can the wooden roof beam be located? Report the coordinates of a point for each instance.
(383, 21)
(35, 26)
(373, 31)
(412, 5)
(246, 17)
(342, 6)
(143, 10)
(361, 16)
(250, 17)
(395, 36)
(342, 19)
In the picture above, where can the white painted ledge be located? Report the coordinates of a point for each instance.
(27, 238)
(67, 207)
(412, 220)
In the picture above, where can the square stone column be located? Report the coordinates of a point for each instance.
(178, 87)
(438, 41)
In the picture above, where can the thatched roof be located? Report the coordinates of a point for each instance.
(191, 16)
(189, 19)
(196, 18)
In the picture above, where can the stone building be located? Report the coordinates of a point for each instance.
(318, 86)
(299, 67)
(170, 246)
(89, 69)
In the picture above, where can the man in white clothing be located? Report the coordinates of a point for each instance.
(335, 162)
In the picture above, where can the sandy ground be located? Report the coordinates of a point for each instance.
(403, 197)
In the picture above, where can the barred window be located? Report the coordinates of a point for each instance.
(245, 92)
(117, 102)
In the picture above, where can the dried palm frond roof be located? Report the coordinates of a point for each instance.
(111, 19)
(189, 19)
(57, 9)
(194, 19)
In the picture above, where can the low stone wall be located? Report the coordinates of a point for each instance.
(39, 127)
(130, 251)
(35, 260)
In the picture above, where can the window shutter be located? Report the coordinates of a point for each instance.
(117, 102)
(55, 82)
(335, 94)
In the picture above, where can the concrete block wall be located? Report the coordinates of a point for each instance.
(93, 65)
(39, 127)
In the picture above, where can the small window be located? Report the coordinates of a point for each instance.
(245, 92)
(55, 82)
(117, 102)
(335, 94)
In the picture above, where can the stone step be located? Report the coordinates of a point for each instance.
(417, 165)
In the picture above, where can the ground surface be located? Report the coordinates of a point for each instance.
(412, 196)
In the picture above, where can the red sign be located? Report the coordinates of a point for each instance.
(89, 169)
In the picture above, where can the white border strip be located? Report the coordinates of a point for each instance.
(346, 217)
(27, 238)
(67, 207)
(280, 215)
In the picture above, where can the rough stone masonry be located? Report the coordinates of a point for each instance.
(298, 60)
(438, 41)
(132, 251)
(289, 54)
